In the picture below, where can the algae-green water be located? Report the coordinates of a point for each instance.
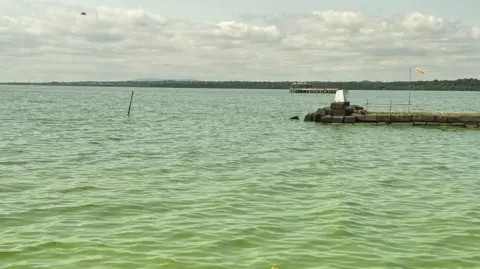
(221, 178)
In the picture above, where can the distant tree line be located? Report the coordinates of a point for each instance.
(434, 85)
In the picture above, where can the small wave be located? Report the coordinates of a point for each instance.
(116, 138)
(7, 163)
(63, 209)
(80, 189)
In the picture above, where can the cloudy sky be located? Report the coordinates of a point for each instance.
(238, 39)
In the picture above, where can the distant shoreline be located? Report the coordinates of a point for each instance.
(435, 85)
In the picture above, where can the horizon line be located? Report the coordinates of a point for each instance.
(200, 80)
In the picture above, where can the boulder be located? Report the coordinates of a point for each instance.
(356, 107)
(338, 105)
(349, 119)
(318, 117)
(324, 111)
(349, 111)
(337, 119)
(326, 119)
(343, 109)
(339, 112)
(309, 117)
(357, 110)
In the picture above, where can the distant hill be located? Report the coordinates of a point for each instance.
(468, 84)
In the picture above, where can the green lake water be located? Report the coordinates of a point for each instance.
(216, 178)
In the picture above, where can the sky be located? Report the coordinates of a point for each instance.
(336, 40)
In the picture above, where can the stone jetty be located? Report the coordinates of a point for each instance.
(341, 111)
(344, 112)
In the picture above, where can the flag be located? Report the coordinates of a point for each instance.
(420, 71)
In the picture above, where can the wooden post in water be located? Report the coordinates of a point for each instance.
(130, 106)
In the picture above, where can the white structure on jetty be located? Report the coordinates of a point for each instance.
(340, 96)
(308, 88)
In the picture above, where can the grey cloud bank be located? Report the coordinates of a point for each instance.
(44, 42)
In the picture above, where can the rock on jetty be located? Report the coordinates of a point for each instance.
(341, 112)
(344, 112)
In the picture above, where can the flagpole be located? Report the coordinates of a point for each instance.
(409, 86)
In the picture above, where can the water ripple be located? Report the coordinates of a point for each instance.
(212, 179)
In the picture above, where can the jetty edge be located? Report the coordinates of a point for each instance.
(341, 111)
(352, 114)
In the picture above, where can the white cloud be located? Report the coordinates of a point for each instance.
(47, 42)
(476, 32)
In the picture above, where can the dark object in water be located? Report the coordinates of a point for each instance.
(83, 13)
(295, 118)
(130, 106)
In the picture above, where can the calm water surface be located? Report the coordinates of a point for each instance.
(222, 179)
